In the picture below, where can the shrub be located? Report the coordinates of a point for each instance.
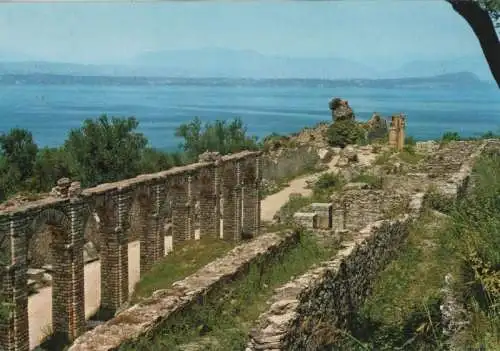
(375, 182)
(343, 133)
(450, 136)
(325, 185)
(410, 141)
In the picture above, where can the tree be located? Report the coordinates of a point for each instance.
(481, 16)
(105, 150)
(19, 151)
(51, 164)
(344, 132)
(219, 136)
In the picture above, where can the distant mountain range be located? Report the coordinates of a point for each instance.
(223, 63)
(463, 79)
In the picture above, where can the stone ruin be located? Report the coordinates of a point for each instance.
(341, 111)
(171, 196)
(397, 132)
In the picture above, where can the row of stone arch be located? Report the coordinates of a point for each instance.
(196, 199)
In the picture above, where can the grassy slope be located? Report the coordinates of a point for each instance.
(403, 311)
(224, 323)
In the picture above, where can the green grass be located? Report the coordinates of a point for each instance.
(226, 321)
(375, 182)
(403, 310)
(185, 260)
(326, 184)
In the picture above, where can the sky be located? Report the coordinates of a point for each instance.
(382, 31)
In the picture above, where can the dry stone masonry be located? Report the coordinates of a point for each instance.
(147, 316)
(307, 312)
(197, 197)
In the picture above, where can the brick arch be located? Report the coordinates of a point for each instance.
(140, 207)
(249, 172)
(46, 227)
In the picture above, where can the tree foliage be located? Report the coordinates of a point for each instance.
(345, 132)
(19, 150)
(220, 135)
(105, 150)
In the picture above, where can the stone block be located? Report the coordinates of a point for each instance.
(306, 219)
(325, 214)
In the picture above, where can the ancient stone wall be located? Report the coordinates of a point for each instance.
(306, 313)
(188, 197)
(353, 208)
(288, 163)
(148, 316)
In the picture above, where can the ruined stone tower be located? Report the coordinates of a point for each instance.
(397, 132)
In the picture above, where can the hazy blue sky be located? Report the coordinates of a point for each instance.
(382, 31)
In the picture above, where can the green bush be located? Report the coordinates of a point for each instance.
(450, 136)
(343, 133)
(409, 140)
(326, 184)
(375, 182)
(221, 136)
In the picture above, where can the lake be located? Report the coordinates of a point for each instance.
(50, 111)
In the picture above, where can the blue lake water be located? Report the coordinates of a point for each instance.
(50, 111)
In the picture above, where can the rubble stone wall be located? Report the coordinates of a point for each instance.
(308, 312)
(288, 162)
(150, 315)
(190, 195)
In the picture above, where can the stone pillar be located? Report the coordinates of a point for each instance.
(250, 197)
(152, 219)
(68, 310)
(209, 203)
(231, 194)
(397, 132)
(14, 331)
(158, 221)
(192, 197)
(258, 180)
(114, 252)
(146, 234)
(180, 209)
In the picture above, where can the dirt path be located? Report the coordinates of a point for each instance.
(271, 204)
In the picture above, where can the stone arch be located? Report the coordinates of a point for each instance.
(140, 209)
(47, 228)
(249, 172)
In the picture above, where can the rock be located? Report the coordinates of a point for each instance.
(336, 150)
(74, 189)
(350, 153)
(209, 156)
(64, 182)
(356, 186)
(62, 188)
(377, 127)
(341, 111)
(342, 162)
(325, 155)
